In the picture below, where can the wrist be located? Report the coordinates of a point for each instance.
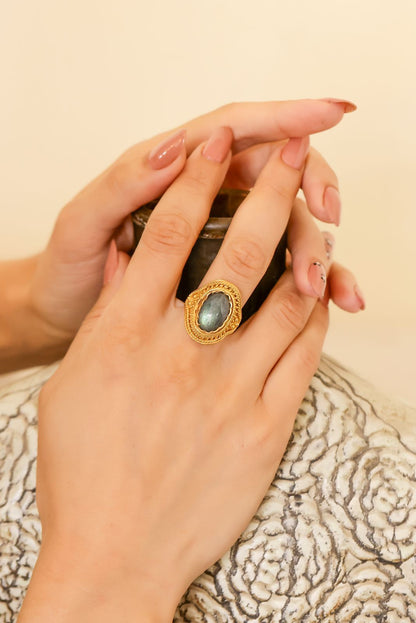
(25, 338)
(70, 584)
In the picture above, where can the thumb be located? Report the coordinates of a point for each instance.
(90, 220)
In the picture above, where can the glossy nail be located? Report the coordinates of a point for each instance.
(332, 205)
(218, 145)
(360, 297)
(329, 242)
(295, 151)
(166, 152)
(317, 278)
(348, 106)
(111, 263)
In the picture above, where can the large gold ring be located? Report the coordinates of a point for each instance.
(213, 312)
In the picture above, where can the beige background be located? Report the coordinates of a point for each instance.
(83, 79)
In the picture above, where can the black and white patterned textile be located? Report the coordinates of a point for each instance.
(334, 540)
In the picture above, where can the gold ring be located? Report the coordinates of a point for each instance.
(213, 312)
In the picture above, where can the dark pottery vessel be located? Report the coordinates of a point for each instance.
(208, 244)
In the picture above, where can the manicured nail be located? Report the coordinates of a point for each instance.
(332, 205)
(218, 145)
(348, 106)
(317, 278)
(329, 242)
(111, 263)
(295, 151)
(165, 153)
(360, 297)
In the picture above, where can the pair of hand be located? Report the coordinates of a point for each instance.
(155, 451)
(69, 273)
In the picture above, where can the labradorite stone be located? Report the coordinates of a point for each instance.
(214, 311)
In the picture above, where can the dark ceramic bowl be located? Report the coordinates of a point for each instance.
(207, 246)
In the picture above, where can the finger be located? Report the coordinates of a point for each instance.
(319, 183)
(269, 332)
(124, 235)
(260, 220)
(134, 179)
(246, 166)
(344, 290)
(175, 223)
(294, 370)
(259, 122)
(310, 251)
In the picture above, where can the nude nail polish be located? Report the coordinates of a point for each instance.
(332, 205)
(111, 263)
(295, 151)
(218, 145)
(348, 106)
(166, 152)
(317, 278)
(360, 297)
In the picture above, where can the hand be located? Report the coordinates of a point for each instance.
(155, 451)
(69, 273)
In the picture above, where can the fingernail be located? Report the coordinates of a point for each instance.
(329, 241)
(165, 153)
(348, 106)
(111, 263)
(317, 278)
(295, 151)
(332, 205)
(360, 297)
(218, 145)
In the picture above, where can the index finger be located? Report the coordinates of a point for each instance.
(259, 122)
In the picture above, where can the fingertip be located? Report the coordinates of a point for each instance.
(295, 151)
(359, 297)
(347, 105)
(344, 296)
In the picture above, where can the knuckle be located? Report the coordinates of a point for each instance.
(119, 177)
(91, 319)
(229, 108)
(122, 333)
(166, 233)
(308, 358)
(179, 371)
(283, 192)
(197, 180)
(289, 311)
(245, 257)
(262, 432)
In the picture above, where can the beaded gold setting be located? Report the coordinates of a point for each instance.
(193, 306)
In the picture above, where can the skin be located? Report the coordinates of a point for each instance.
(145, 436)
(44, 299)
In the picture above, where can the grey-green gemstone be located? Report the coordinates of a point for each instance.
(214, 311)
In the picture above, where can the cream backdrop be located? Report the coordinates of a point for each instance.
(83, 79)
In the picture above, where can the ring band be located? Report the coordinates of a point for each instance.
(213, 312)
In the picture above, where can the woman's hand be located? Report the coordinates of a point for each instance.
(155, 451)
(66, 278)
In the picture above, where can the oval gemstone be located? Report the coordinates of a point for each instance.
(214, 311)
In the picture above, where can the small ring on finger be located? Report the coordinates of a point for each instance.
(213, 311)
